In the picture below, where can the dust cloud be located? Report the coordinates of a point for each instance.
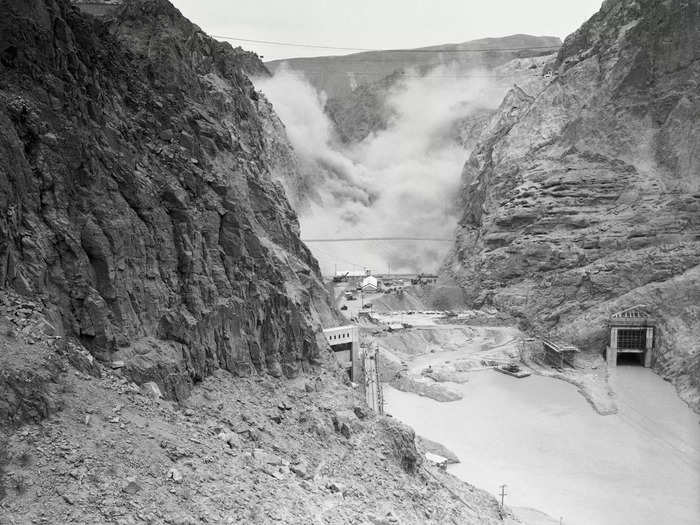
(399, 182)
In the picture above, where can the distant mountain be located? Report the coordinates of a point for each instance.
(338, 76)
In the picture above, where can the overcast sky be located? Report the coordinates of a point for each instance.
(380, 23)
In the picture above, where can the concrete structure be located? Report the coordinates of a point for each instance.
(345, 343)
(631, 333)
(359, 363)
(559, 353)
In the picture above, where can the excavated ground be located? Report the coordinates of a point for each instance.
(81, 443)
(436, 352)
(257, 450)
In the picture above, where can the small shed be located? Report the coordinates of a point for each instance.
(559, 353)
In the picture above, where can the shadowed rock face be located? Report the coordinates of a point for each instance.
(586, 199)
(136, 197)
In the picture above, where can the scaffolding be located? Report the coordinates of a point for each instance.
(372, 385)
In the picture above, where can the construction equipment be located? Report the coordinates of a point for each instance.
(341, 278)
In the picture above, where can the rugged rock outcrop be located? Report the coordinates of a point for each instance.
(367, 108)
(297, 178)
(137, 198)
(364, 110)
(585, 199)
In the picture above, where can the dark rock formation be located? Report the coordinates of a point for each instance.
(31, 363)
(136, 195)
(403, 440)
(363, 111)
(586, 199)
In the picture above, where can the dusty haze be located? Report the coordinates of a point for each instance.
(401, 181)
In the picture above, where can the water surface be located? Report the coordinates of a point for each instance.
(555, 453)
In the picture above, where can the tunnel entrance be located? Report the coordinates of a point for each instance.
(624, 359)
(631, 337)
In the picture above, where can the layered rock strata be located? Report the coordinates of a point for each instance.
(585, 199)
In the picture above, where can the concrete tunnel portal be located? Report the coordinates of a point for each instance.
(632, 334)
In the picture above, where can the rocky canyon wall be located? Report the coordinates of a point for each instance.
(585, 199)
(140, 200)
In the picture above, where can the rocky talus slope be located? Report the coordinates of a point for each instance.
(252, 450)
(585, 199)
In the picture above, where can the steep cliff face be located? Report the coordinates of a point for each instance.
(137, 198)
(585, 199)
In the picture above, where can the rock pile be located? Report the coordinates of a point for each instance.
(255, 450)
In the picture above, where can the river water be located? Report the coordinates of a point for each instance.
(554, 452)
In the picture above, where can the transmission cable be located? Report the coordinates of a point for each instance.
(361, 49)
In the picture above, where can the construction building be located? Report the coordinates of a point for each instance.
(371, 284)
(559, 353)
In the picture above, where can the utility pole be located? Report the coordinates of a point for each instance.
(503, 494)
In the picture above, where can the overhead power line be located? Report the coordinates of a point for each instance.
(290, 44)
(427, 76)
(375, 59)
(363, 49)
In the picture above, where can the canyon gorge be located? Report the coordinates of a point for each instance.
(162, 354)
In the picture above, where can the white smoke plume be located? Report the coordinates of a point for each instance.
(402, 181)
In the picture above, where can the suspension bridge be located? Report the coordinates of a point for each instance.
(359, 239)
